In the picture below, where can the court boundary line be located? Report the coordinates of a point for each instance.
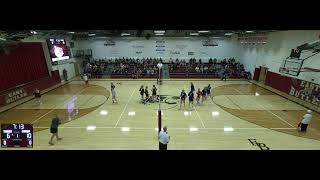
(125, 107)
(233, 102)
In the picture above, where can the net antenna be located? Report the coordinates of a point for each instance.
(159, 65)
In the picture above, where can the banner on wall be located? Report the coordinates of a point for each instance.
(138, 46)
(160, 47)
(174, 52)
(209, 43)
(306, 91)
(15, 95)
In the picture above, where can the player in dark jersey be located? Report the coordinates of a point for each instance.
(204, 94)
(209, 91)
(183, 96)
(54, 129)
(141, 92)
(154, 92)
(192, 87)
(199, 93)
(191, 98)
(37, 96)
(146, 92)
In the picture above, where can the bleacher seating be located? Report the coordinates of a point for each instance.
(147, 68)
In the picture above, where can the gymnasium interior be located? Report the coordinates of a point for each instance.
(263, 82)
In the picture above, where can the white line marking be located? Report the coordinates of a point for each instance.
(237, 90)
(267, 110)
(199, 117)
(125, 108)
(56, 106)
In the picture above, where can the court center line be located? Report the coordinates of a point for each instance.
(268, 110)
(54, 108)
(125, 108)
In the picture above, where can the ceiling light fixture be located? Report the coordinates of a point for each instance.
(194, 34)
(159, 32)
(125, 34)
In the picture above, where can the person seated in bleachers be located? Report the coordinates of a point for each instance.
(197, 69)
(205, 69)
(214, 61)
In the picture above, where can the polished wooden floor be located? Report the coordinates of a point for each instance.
(237, 111)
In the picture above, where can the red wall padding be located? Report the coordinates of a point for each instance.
(304, 90)
(25, 63)
(279, 82)
(40, 84)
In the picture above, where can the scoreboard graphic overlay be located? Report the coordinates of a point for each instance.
(16, 135)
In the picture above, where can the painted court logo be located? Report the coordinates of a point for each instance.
(262, 146)
(167, 101)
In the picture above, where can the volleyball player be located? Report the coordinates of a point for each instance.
(85, 78)
(113, 92)
(146, 92)
(192, 87)
(204, 94)
(191, 98)
(141, 92)
(199, 93)
(154, 92)
(209, 91)
(37, 96)
(183, 96)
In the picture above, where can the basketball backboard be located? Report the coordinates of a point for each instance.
(291, 66)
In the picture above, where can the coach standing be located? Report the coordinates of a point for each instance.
(164, 139)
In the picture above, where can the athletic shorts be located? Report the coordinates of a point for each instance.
(53, 130)
(304, 127)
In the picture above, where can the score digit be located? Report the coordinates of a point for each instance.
(8, 136)
(29, 135)
(21, 126)
(4, 142)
